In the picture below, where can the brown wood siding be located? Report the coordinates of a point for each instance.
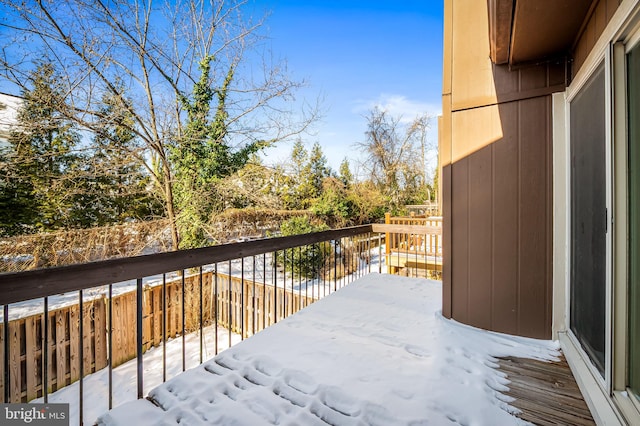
(504, 291)
(480, 237)
(596, 21)
(445, 183)
(495, 151)
(459, 220)
(500, 216)
(535, 168)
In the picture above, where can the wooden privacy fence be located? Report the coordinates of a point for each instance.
(412, 248)
(244, 306)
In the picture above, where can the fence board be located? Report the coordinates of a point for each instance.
(32, 355)
(51, 353)
(61, 350)
(87, 339)
(156, 315)
(15, 361)
(99, 331)
(74, 360)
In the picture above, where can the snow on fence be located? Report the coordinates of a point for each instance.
(251, 307)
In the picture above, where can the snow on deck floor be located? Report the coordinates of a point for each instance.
(377, 352)
(125, 385)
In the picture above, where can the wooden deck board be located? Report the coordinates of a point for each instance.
(545, 392)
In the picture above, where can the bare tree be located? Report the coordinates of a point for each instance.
(146, 55)
(395, 159)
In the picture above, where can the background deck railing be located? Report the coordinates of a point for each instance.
(407, 250)
(68, 322)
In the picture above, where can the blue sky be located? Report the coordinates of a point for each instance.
(356, 54)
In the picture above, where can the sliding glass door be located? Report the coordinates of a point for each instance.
(589, 217)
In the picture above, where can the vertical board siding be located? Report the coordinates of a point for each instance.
(505, 237)
(501, 224)
(446, 242)
(459, 240)
(534, 199)
(480, 237)
(593, 27)
(496, 172)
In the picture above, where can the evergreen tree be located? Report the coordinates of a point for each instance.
(318, 170)
(18, 209)
(41, 177)
(309, 169)
(345, 174)
(115, 187)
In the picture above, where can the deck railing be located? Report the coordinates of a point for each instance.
(407, 250)
(99, 315)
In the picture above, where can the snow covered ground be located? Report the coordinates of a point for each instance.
(377, 352)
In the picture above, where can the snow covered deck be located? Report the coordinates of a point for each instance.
(377, 352)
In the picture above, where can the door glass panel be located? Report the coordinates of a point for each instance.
(633, 87)
(588, 218)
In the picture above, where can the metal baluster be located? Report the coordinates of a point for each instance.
(7, 376)
(275, 287)
(264, 290)
(200, 306)
(335, 265)
(229, 305)
(139, 335)
(313, 277)
(242, 298)
(324, 273)
(215, 311)
(301, 266)
(110, 344)
(81, 359)
(284, 286)
(254, 318)
(164, 328)
(45, 352)
(184, 355)
(318, 279)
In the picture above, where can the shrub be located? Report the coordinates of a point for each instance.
(304, 260)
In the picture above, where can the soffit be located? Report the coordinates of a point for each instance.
(524, 31)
